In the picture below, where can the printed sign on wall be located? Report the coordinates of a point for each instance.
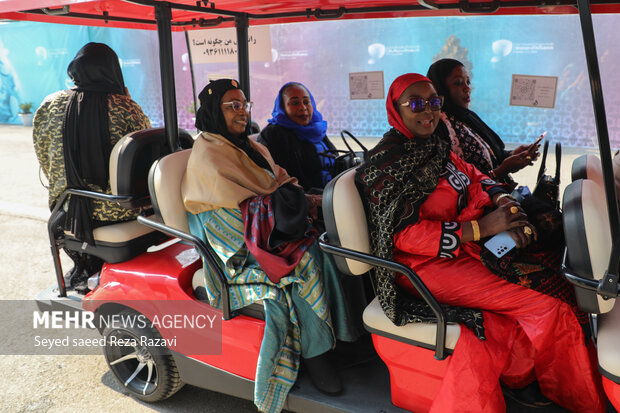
(366, 85)
(533, 91)
(220, 45)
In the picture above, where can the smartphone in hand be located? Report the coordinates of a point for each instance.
(500, 244)
(540, 138)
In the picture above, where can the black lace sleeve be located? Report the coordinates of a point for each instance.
(493, 188)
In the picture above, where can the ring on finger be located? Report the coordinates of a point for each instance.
(514, 209)
(529, 158)
(527, 230)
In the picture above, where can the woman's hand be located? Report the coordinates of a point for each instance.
(523, 236)
(502, 198)
(508, 215)
(314, 202)
(520, 157)
(532, 149)
(515, 162)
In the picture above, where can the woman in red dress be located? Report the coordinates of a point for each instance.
(428, 209)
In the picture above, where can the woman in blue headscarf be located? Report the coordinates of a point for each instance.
(296, 137)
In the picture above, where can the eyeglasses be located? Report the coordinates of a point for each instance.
(419, 105)
(238, 106)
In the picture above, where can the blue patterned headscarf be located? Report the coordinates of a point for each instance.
(314, 132)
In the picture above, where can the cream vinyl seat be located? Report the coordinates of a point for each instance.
(129, 164)
(165, 180)
(346, 224)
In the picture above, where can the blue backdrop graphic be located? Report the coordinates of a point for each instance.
(34, 58)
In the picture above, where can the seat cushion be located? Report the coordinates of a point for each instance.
(587, 167)
(589, 246)
(113, 252)
(345, 221)
(165, 187)
(119, 233)
(418, 334)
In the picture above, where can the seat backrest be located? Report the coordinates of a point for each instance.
(587, 167)
(345, 220)
(588, 239)
(131, 160)
(165, 188)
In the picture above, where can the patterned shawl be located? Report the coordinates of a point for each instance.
(394, 182)
(219, 174)
(400, 173)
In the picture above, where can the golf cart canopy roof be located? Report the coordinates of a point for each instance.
(193, 14)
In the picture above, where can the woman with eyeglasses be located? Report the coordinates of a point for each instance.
(296, 137)
(427, 208)
(255, 217)
(471, 138)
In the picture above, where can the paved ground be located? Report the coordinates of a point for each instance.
(57, 383)
(78, 383)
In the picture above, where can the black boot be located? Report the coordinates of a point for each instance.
(323, 375)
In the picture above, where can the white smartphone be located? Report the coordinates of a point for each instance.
(500, 244)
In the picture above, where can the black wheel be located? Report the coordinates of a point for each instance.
(148, 373)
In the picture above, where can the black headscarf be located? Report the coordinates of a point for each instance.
(438, 72)
(96, 72)
(210, 118)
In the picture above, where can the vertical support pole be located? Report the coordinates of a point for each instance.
(610, 281)
(163, 15)
(191, 71)
(243, 53)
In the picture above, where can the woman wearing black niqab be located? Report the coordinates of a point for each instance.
(74, 132)
(96, 72)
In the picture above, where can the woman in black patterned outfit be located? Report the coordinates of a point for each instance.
(74, 132)
(472, 139)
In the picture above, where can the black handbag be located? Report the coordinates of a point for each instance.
(548, 187)
(346, 159)
(543, 205)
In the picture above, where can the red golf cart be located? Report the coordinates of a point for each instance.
(154, 266)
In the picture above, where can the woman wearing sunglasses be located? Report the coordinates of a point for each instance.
(471, 138)
(296, 137)
(256, 218)
(426, 209)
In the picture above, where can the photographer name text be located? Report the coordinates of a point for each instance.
(144, 341)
